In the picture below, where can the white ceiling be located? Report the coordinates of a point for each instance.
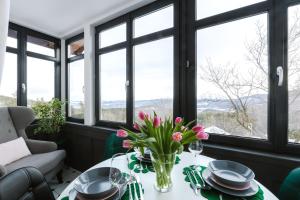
(62, 18)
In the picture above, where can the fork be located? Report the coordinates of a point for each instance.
(192, 183)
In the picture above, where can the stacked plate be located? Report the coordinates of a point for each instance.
(230, 178)
(146, 158)
(94, 184)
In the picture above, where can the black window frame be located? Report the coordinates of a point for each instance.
(22, 53)
(129, 45)
(67, 62)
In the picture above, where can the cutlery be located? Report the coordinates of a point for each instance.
(136, 197)
(137, 178)
(192, 183)
(220, 196)
(204, 186)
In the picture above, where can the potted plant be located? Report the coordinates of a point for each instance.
(50, 119)
(165, 139)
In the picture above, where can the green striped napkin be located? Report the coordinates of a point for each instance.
(215, 194)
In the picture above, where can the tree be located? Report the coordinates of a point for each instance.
(238, 88)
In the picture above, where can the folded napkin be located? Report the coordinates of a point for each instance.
(134, 191)
(215, 194)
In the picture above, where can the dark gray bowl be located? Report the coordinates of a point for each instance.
(231, 173)
(95, 184)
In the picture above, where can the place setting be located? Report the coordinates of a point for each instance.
(223, 179)
(108, 183)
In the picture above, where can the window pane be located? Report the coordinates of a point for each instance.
(207, 8)
(76, 89)
(12, 39)
(153, 63)
(76, 48)
(153, 22)
(294, 73)
(112, 36)
(40, 46)
(112, 86)
(232, 77)
(8, 88)
(40, 80)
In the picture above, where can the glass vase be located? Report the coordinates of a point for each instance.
(163, 166)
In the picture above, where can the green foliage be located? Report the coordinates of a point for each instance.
(50, 116)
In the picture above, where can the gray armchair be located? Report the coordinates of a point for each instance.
(45, 156)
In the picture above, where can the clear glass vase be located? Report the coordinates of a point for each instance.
(163, 166)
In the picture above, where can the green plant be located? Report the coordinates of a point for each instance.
(50, 116)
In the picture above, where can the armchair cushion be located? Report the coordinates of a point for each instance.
(13, 150)
(8, 131)
(38, 146)
(45, 162)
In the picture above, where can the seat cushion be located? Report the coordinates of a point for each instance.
(45, 162)
(8, 131)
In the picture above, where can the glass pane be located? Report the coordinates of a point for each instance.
(112, 86)
(76, 89)
(76, 48)
(207, 8)
(232, 78)
(153, 22)
(153, 63)
(12, 39)
(8, 87)
(112, 36)
(40, 80)
(294, 73)
(40, 46)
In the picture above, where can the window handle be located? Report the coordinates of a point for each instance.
(23, 88)
(127, 83)
(280, 75)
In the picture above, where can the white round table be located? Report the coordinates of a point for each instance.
(181, 189)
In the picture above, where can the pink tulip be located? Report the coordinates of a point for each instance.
(127, 144)
(202, 135)
(178, 120)
(198, 128)
(136, 126)
(156, 121)
(147, 116)
(177, 137)
(142, 115)
(121, 133)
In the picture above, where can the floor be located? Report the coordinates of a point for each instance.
(69, 174)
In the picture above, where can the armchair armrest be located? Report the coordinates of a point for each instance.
(2, 170)
(38, 146)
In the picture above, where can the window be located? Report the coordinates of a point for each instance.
(75, 78)
(12, 40)
(207, 8)
(41, 46)
(112, 82)
(113, 35)
(149, 23)
(232, 77)
(32, 68)
(8, 88)
(294, 74)
(154, 75)
(133, 57)
(40, 80)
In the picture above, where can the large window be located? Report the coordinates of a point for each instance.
(232, 77)
(75, 78)
(135, 65)
(32, 68)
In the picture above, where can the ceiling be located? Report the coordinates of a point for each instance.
(62, 18)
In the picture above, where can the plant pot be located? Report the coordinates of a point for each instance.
(163, 166)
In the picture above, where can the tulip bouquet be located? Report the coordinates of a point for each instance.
(165, 139)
